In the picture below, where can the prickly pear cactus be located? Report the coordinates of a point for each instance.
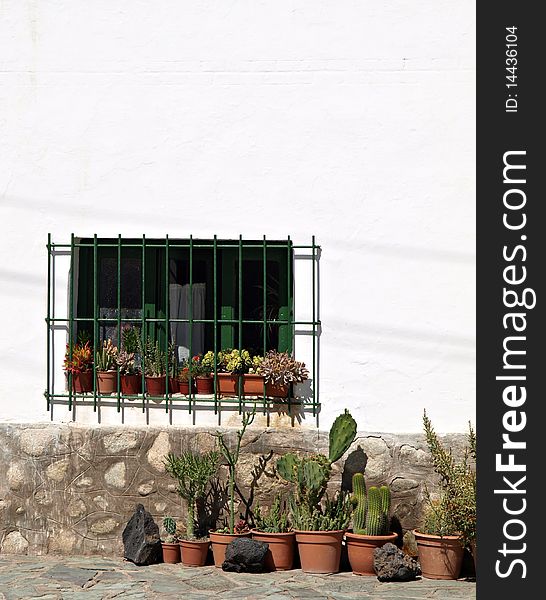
(286, 467)
(342, 435)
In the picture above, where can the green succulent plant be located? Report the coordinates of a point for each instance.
(371, 513)
(106, 357)
(275, 520)
(192, 473)
(309, 475)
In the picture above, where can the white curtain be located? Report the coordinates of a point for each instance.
(179, 302)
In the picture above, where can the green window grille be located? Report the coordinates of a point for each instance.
(246, 300)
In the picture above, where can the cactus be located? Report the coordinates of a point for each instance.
(371, 513)
(359, 495)
(169, 524)
(310, 474)
(342, 434)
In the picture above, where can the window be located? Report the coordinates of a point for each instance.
(189, 295)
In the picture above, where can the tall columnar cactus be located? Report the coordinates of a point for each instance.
(310, 474)
(371, 514)
(361, 501)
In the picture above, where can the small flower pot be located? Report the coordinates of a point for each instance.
(253, 385)
(82, 382)
(441, 557)
(155, 386)
(227, 384)
(277, 391)
(171, 553)
(194, 552)
(360, 550)
(184, 387)
(131, 385)
(320, 551)
(280, 556)
(220, 542)
(107, 382)
(205, 385)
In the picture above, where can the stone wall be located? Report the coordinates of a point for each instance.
(70, 489)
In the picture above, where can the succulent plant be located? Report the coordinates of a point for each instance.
(276, 519)
(130, 336)
(192, 472)
(169, 525)
(154, 359)
(371, 514)
(310, 474)
(333, 515)
(82, 358)
(232, 457)
(280, 368)
(105, 358)
(126, 363)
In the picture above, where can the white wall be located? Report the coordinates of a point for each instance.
(350, 120)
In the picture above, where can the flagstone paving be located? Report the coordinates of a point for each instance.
(92, 578)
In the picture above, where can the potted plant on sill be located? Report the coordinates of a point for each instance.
(154, 369)
(274, 529)
(129, 361)
(184, 379)
(280, 370)
(253, 380)
(222, 537)
(231, 364)
(193, 473)
(105, 363)
(371, 525)
(202, 367)
(319, 526)
(450, 521)
(170, 546)
(129, 375)
(80, 366)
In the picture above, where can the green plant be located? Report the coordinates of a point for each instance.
(105, 358)
(332, 515)
(276, 520)
(82, 358)
(310, 474)
(130, 336)
(234, 361)
(280, 368)
(126, 363)
(154, 359)
(192, 473)
(169, 525)
(239, 528)
(371, 513)
(201, 367)
(232, 458)
(455, 512)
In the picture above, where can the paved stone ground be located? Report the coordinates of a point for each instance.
(93, 578)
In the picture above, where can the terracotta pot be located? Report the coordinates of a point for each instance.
(173, 385)
(227, 384)
(360, 550)
(171, 553)
(155, 386)
(184, 387)
(440, 557)
(205, 385)
(107, 382)
(320, 551)
(278, 391)
(220, 542)
(253, 385)
(194, 552)
(131, 385)
(82, 382)
(280, 556)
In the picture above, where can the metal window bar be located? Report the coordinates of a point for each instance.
(72, 320)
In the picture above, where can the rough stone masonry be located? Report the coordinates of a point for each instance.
(70, 489)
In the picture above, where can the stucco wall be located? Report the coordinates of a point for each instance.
(353, 121)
